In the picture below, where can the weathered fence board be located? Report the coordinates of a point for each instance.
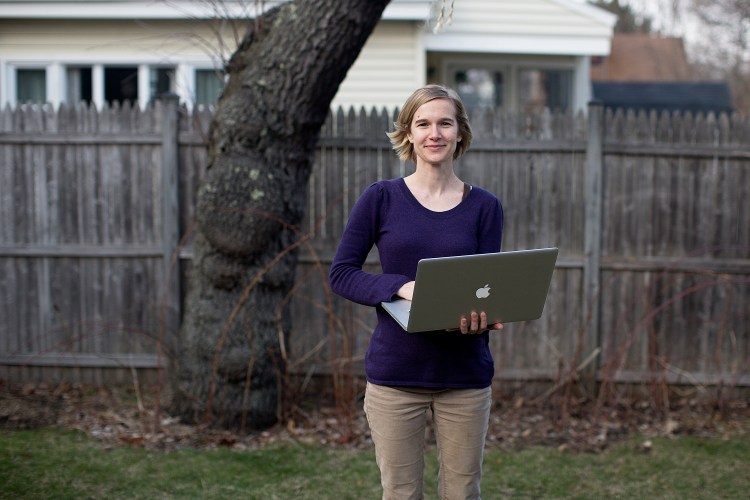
(81, 244)
(654, 255)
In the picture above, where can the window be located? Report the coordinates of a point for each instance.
(545, 88)
(480, 87)
(31, 86)
(520, 84)
(208, 86)
(78, 85)
(161, 81)
(97, 84)
(121, 84)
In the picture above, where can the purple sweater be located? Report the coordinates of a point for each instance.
(389, 216)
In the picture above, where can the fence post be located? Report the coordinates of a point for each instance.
(170, 213)
(592, 243)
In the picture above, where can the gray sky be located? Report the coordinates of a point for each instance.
(669, 16)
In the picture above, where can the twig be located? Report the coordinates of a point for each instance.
(589, 359)
(683, 373)
(137, 387)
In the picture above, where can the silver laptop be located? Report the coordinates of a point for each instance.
(508, 286)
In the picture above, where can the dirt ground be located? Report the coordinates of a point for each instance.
(123, 416)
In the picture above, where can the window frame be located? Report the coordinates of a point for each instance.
(571, 91)
(11, 79)
(56, 74)
(512, 68)
(194, 89)
(453, 66)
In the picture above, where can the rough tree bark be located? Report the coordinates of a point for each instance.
(262, 141)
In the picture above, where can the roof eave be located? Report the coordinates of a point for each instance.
(398, 10)
(579, 45)
(590, 11)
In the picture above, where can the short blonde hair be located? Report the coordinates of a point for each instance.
(399, 137)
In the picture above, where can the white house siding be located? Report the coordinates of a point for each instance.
(394, 61)
(52, 44)
(389, 68)
(514, 35)
(523, 16)
(525, 27)
(106, 38)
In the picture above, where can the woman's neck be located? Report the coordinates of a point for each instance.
(438, 189)
(435, 178)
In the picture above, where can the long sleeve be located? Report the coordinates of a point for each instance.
(490, 228)
(347, 277)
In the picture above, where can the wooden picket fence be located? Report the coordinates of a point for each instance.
(651, 214)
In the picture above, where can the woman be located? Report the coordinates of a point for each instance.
(430, 213)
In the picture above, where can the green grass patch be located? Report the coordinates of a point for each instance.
(680, 468)
(54, 463)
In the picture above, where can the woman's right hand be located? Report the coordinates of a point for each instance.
(406, 291)
(477, 323)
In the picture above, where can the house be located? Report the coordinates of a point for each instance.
(648, 72)
(510, 53)
(642, 57)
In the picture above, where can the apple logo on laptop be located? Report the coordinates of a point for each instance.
(484, 292)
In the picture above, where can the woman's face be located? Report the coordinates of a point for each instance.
(434, 132)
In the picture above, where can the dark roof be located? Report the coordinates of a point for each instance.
(695, 97)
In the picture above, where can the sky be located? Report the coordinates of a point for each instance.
(671, 18)
(702, 42)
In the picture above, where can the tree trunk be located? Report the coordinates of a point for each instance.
(288, 68)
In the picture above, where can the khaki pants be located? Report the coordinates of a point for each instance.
(397, 421)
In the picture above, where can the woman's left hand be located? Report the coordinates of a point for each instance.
(477, 323)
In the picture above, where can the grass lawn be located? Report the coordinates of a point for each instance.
(54, 463)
